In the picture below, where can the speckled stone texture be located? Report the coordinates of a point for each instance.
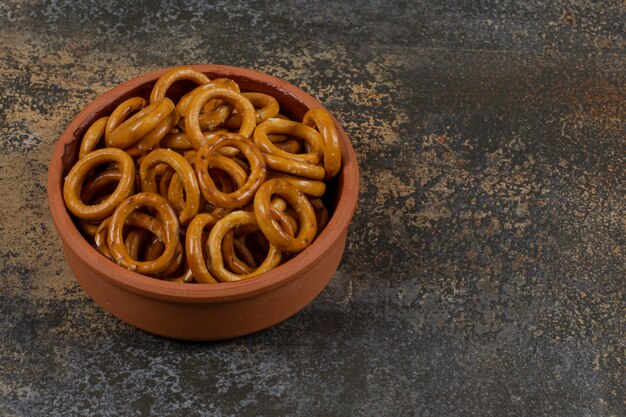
(484, 274)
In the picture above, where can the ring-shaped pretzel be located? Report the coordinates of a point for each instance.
(92, 136)
(170, 231)
(215, 111)
(323, 121)
(291, 145)
(214, 243)
(266, 105)
(243, 251)
(231, 260)
(99, 184)
(307, 186)
(140, 220)
(121, 113)
(288, 127)
(194, 243)
(147, 178)
(139, 124)
(176, 74)
(306, 215)
(134, 241)
(76, 176)
(242, 195)
(152, 138)
(155, 248)
(208, 92)
(293, 167)
(321, 214)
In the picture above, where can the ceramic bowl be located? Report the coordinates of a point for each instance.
(204, 311)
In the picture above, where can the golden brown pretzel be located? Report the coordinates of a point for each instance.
(184, 101)
(90, 229)
(76, 176)
(306, 215)
(152, 138)
(291, 128)
(121, 113)
(207, 156)
(139, 124)
(132, 246)
(164, 179)
(186, 278)
(321, 213)
(99, 184)
(177, 141)
(156, 247)
(232, 261)
(176, 74)
(134, 241)
(267, 108)
(307, 186)
(243, 251)
(215, 111)
(147, 177)
(92, 136)
(175, 193)
(202, 96)
(194, 244)
(168, 233)
(290, 166)
(290, 145)
(323, 121)
(287, 225)
(101, 238)
(216, 237)
(180, 142)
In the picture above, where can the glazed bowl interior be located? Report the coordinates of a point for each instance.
(340, 197)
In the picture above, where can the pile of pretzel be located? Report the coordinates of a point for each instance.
(218, 187)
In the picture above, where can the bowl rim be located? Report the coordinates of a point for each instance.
(348, 191)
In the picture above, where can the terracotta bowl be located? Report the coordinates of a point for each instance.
(204, 311)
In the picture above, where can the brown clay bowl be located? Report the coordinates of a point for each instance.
(204, 311)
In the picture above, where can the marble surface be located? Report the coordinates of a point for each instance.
(484, 274)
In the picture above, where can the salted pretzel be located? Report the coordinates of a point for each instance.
(121, 113)
(92, 136)
(78, 173)
(183, 168)
(290, 166)
(306, 215)
(168, 233)
(321, 213)
(288, 127)
(155, 248)
(242, 195)
(177, 74)
(231, 260)
(194, 243)
(208, 92)
(323, 121)
(307, 186)
(98, 185)
(267, 107)
(152, 138)
(216, 237)
(139, 124)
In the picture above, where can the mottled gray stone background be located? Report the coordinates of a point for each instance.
(484, 273)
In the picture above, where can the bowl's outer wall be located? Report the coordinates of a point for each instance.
(203, 312)
(206, 321)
